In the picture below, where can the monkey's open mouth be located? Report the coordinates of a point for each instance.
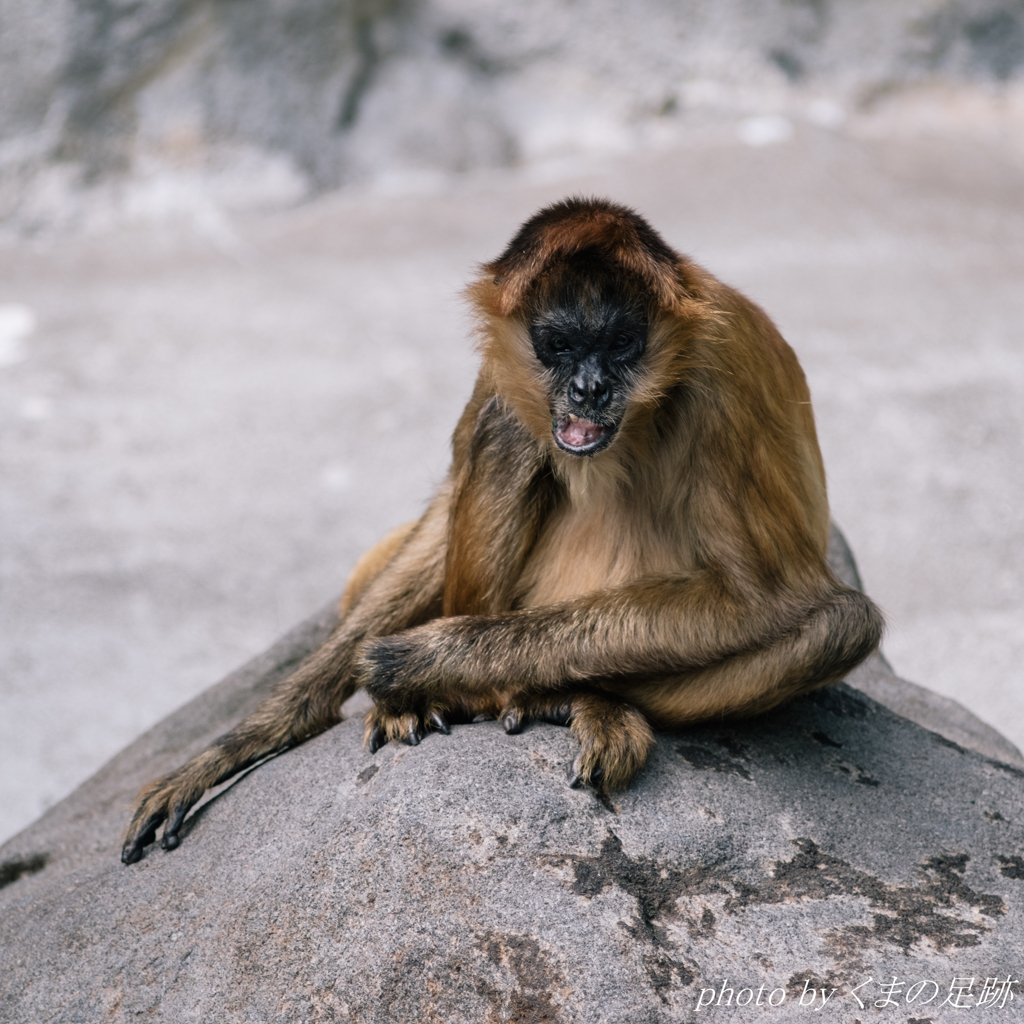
(579, 436)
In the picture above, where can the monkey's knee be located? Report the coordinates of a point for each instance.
(842, 636)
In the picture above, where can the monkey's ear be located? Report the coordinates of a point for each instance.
(621, 236)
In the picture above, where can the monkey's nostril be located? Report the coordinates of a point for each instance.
(589, 389)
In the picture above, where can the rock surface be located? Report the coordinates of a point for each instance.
(263, 100)
(825, 844)
(921, 705)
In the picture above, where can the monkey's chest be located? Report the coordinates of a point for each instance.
(580, 552)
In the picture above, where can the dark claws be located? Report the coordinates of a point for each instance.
(378, 738)
(513, 722)
(132, 851)
(559, 716)
(483, 718)
(438, 722)
(171, 838)
(412, 737)
(576, 780)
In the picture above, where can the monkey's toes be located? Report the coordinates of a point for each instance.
(516, 717)
(584, 772)
(170, 839)
(413, 731)
(513, 720)
(376, 737)
(166, 800)
(138, 839)
(409, 728)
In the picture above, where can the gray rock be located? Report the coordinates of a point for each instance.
(271, 98)
(823, 845)
(921, 705)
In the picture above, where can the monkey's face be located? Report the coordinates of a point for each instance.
(592, 352)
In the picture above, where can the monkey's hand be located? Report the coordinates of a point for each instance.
(445, 658)
(415, 680)
(408, 727)
(396, 671)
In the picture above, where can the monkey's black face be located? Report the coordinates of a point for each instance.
(592, 353)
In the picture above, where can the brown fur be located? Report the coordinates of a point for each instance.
(677, 575)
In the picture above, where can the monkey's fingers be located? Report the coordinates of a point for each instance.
(581, 775)
(138, 838)
(409, 728)
(517, 716)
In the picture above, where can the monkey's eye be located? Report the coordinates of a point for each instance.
(623, 345)
(557, 346)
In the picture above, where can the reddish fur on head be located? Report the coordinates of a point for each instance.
(572, 226)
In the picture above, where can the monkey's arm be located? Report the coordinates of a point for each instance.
(654, 627)
(405, 592)
(678, 648)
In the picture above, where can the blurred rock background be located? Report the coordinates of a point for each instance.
(232, 238)
(125, 104)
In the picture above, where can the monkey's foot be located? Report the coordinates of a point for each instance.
(168, 799)
(614, 738)
(408, 727)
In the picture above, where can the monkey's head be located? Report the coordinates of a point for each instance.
(570, 310)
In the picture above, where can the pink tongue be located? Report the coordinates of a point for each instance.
(579, 433)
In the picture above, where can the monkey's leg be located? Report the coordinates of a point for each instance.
(403, 593)
(306, 704)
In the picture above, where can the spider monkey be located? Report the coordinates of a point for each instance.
(632, 534)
